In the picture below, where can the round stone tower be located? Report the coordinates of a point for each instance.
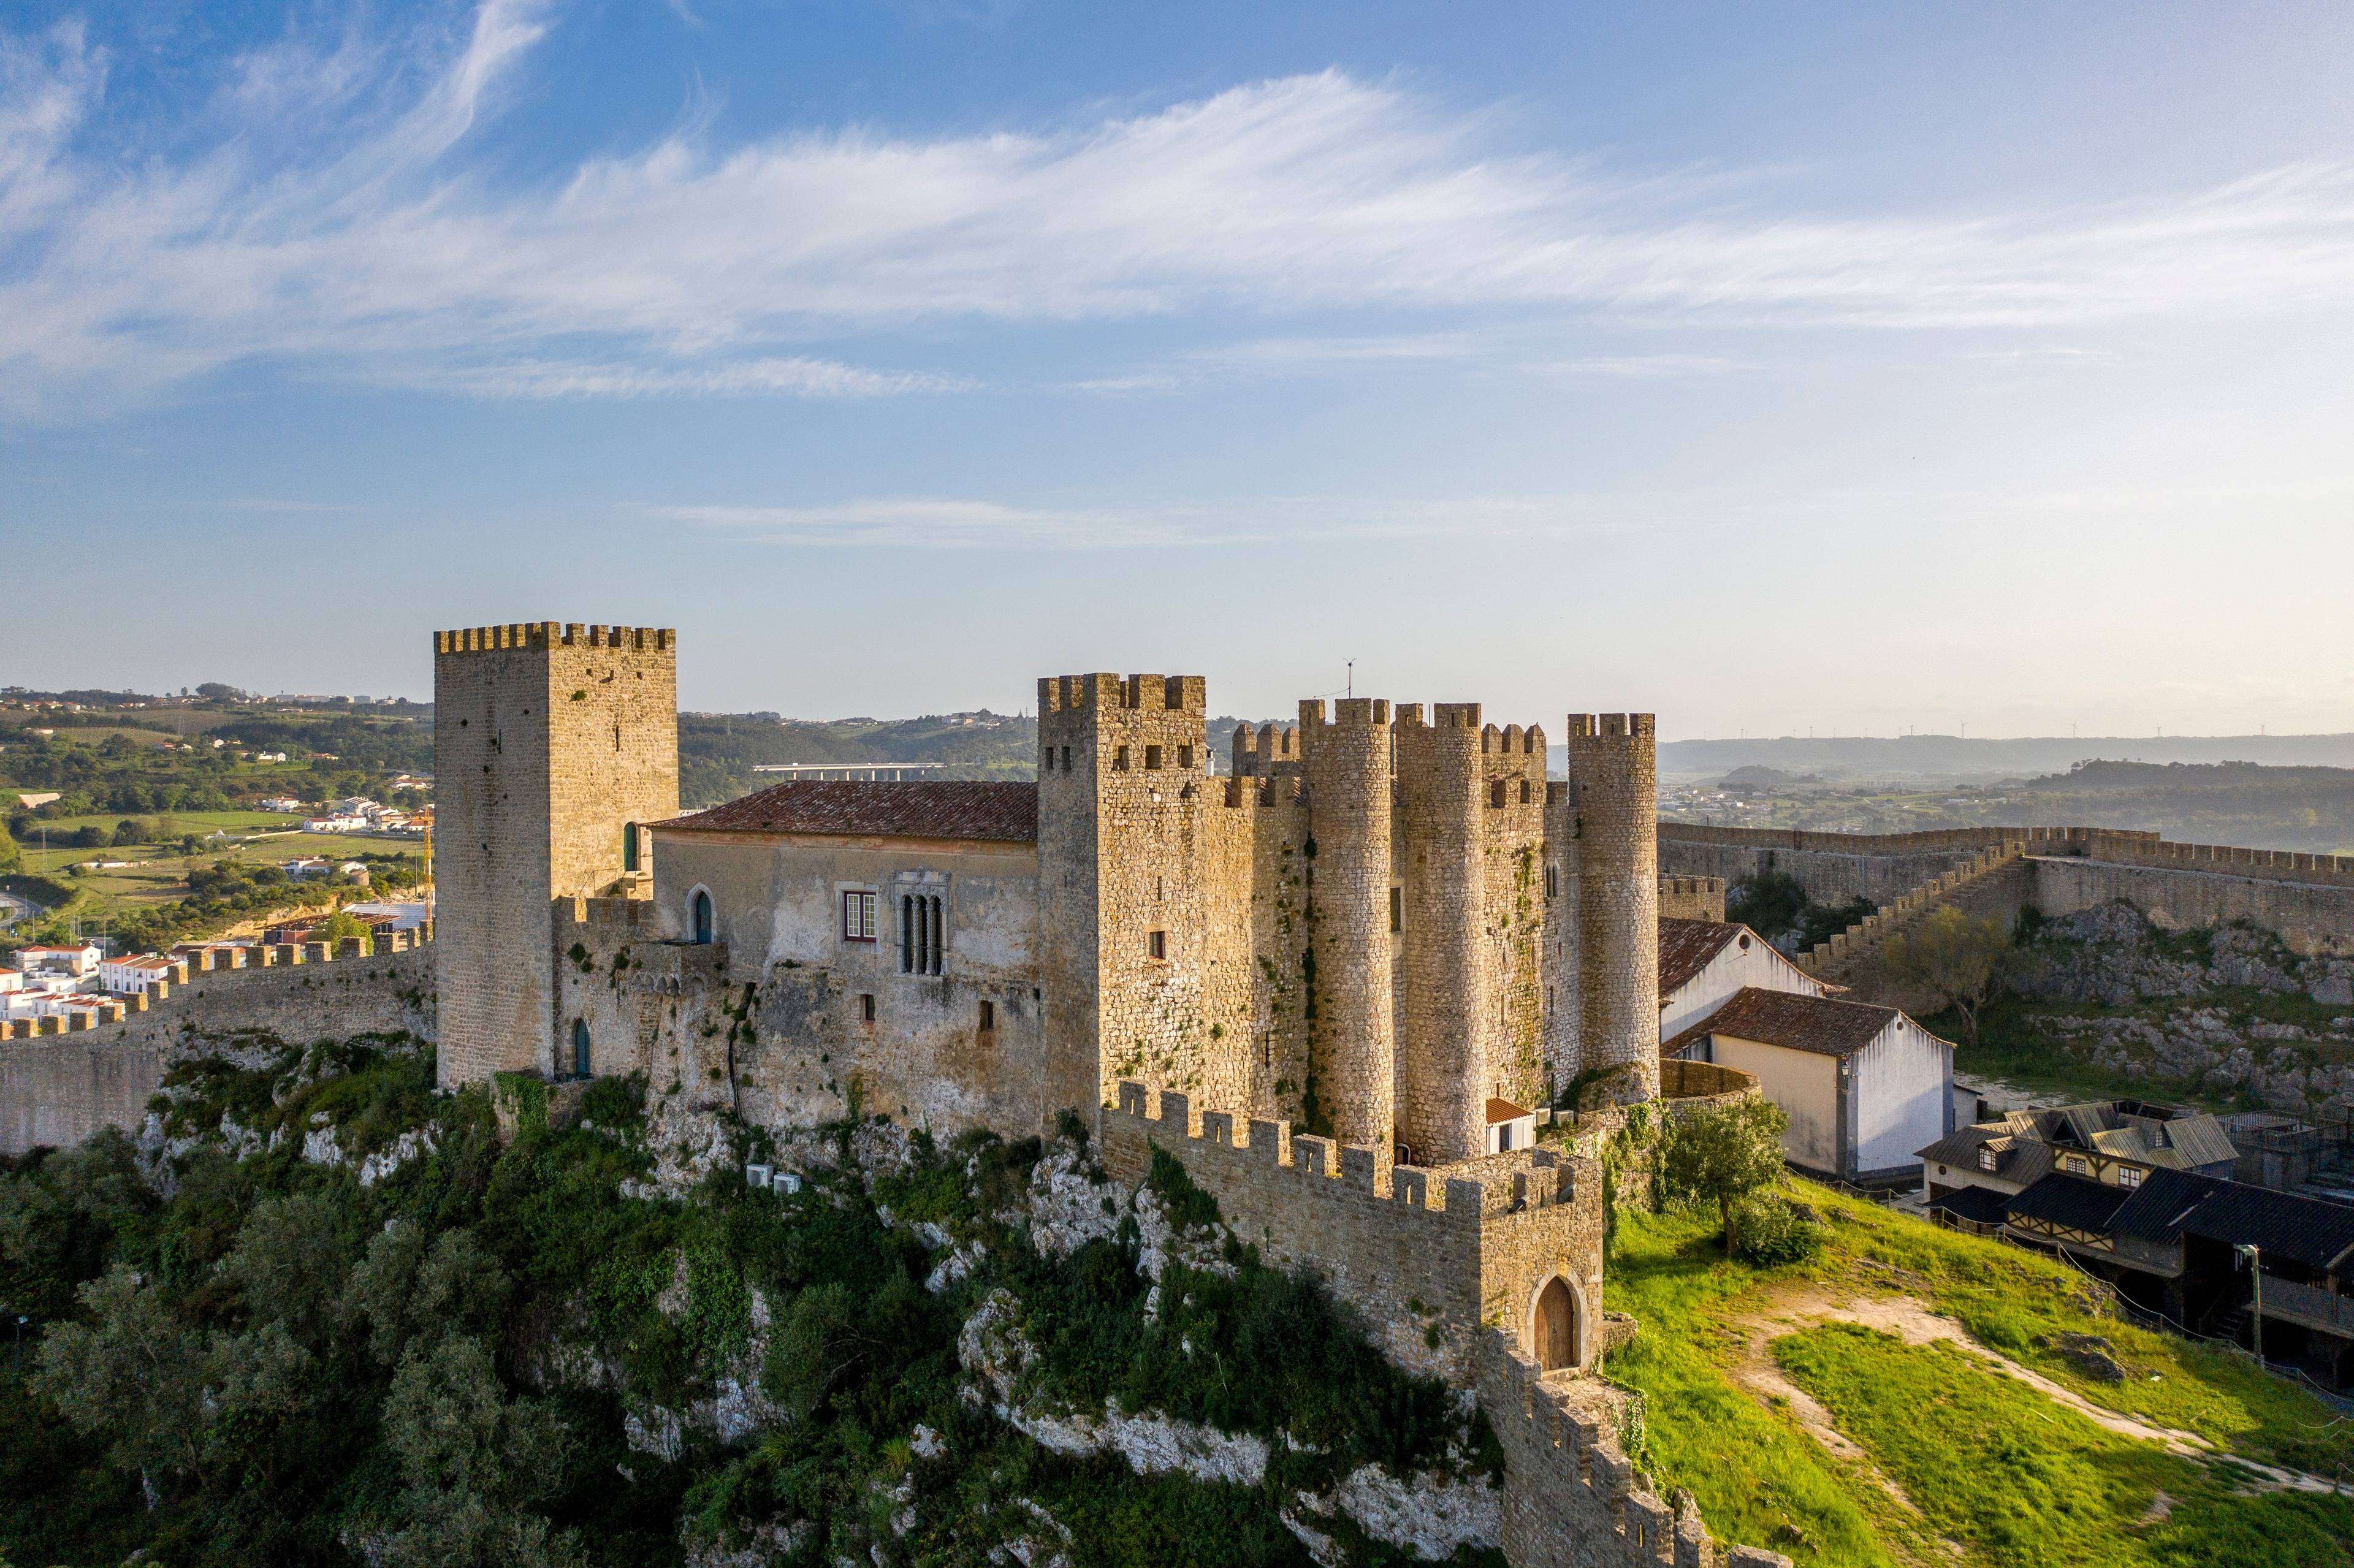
(1614, 816)
(1355, 1051)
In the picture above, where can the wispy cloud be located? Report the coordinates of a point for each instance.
(950, 522)
(334, 220)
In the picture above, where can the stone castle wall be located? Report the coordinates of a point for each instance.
(57, 1091)
(1355, 1063)
(2307, 899)
(1691, 898)
(547, 739)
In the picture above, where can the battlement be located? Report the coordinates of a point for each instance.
(1162, 693)
(628, 913)
(1591, 728)
(1348, 712)
(543, 634)
(1691, 898)
(1261, 753)
(1291, 790)
(1534, 1178)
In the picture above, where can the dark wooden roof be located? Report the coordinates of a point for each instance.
(1817, 1023)
(2309, 1230)
(926, 808)
(2072, 1203)
(1982, 1205)
(1686, 946)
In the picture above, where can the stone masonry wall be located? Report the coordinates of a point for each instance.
(1614, 786)
(1447, 1040)
(2311, 918)
(1355, 1070)
(57, 1091)
(547, 739)
(1425, 1256)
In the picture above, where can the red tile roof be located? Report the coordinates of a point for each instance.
(1817, 1023)
(926, 808)
(1686, 946)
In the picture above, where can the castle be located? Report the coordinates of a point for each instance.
(1383, 928)
(1342, 983)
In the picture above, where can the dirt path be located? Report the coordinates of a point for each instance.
(1806, 1306)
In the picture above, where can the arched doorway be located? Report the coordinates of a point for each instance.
(580, 1048)
(1554, 1328)
(702, 920)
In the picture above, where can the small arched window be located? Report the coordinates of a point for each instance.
(580, 1048)
(629, 846)
(702, 918)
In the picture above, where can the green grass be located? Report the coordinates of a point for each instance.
(1760, 1477)
(2022, 1481)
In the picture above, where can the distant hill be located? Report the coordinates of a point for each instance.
(718, 752)
(1948, 756)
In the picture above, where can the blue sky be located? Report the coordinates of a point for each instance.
(1856, 369)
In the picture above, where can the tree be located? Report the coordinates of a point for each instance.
(1724, 1153)
(12, 859)
(1954, 959)
(343, 923)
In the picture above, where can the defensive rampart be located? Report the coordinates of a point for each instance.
(57, 1091)
(2307, 899)
(1425, 1256)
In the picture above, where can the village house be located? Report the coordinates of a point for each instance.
(77, 960)
(129, 976)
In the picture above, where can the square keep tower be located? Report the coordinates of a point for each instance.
(552, 744)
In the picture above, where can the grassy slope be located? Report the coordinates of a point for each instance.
(1759, 1476)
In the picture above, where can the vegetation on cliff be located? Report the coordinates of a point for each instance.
(321, 1314)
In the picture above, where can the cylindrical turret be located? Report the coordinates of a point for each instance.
(1613, 776)
(1354, 1056)
(1447, 1026)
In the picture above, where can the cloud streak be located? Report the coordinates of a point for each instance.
(364, 232)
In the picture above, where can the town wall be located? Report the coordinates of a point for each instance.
(2310, 917)
(57, 1090)
(549, 739)
(1425, 1256)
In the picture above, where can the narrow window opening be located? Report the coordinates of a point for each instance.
(1047, 764)
(1397, 908)
(1066, 760)
(699, 920)
(1119, 759)
(939, 935)
(580, 1048)
(1156, 944)
(1553, 882)
(629, 846)
(1152, 757)
(1185, 756)
(988, 1016)
(1524, 791)
(866, 1007)
(907, 934)
(1496, 793)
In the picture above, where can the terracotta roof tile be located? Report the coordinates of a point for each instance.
(926, 808)
(1686, 946)
(1815, 1023)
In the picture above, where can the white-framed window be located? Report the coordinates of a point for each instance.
(2129, 1176)
(1987, 1159)
(858, 915)
(2075, 1164)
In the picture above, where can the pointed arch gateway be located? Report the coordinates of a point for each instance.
(1553, 1326)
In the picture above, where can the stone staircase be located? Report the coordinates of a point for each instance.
(1858, 951)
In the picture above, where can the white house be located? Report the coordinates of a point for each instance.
(337, 824)
(278, 803)
(1864, 1086)
(73, 961)
(1703, 962)
(11, 980)
(1509, 1127)
(302, 867)
(129, 976)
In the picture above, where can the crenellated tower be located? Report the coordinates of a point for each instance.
(552, 744)
(1446, 1024)
(1122, 906)
(1614, 822)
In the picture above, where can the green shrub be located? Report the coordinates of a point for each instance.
(1773, 1232)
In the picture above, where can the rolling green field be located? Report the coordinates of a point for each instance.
(1946, 1456)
